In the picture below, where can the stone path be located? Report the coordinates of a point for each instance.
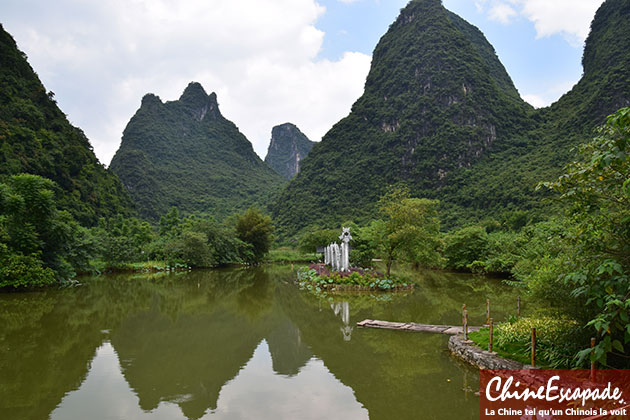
(411, 326)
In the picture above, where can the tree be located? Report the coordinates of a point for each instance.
(597, 190)
(255, 228)
(170, 223)
(409, 229)
(39, 244)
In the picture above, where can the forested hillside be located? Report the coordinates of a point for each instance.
(36, 138)
(440, 114)
(184, 153)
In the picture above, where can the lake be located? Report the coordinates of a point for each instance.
(239, 343)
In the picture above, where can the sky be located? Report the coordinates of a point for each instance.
(269, 61)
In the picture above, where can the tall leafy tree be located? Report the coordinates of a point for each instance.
(409, 230)
(256, 229)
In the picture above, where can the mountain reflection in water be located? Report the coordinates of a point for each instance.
(234, 344)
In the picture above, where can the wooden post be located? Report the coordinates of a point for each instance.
(466, 325)
(491, 334)
(518, 307)
(487, 311)
(593, 364)
(533, 346)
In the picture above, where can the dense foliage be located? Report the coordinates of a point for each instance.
(36, 138)
(287, 148)
(185, 154)
(597, 265)
(255, 229)
(39, 244)
(42, 245)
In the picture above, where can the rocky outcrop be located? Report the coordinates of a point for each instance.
(288, 147)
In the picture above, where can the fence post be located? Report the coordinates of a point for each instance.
(487, 311)
(533, 346)
(466, 325)
(464, 319)
(491, 334)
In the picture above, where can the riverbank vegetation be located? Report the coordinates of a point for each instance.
(41, 245)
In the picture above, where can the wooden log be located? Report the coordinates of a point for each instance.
(411, 326)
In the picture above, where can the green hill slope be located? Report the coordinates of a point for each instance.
(287, 148)
(506, 179)
(437, 100)
(184, 153)
(36, 138)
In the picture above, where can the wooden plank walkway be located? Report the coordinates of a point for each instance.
(411, 326)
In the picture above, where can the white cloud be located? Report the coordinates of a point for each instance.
(549, 95)
(569, 18)
(260, 56)
(535, 101)
(502, 13)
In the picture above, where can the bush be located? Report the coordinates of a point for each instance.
(23, 270)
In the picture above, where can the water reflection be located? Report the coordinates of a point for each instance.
(105, 394)
(342, 309)
(238, 343)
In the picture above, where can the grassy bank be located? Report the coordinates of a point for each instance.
(557, 340)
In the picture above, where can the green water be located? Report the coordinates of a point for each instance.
(236, 344)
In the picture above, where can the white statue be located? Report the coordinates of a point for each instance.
(339, 257)
(345, 249)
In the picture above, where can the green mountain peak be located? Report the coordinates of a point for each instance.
(184, 153)
(437, 100)
(605, 84)
(199, 103)
(608, 42)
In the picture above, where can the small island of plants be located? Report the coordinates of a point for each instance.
(319, 278)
